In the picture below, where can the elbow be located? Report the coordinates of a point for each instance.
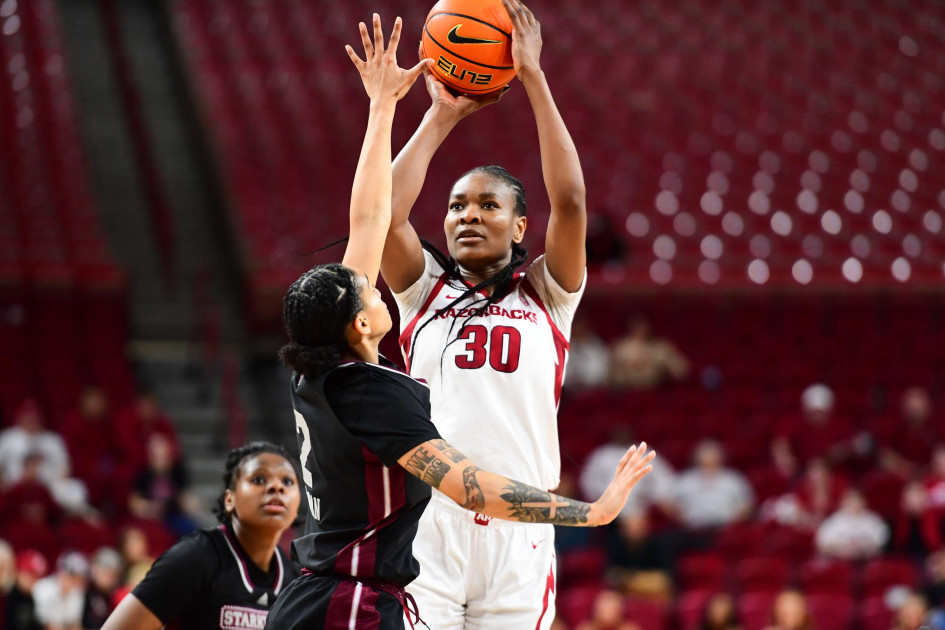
(572, 201)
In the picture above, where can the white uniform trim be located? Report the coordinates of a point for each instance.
(355, 605)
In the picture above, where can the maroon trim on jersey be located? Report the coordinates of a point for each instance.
(549, 593)
(386, 495)
(405, 336)
(352, 604)
(561, 344)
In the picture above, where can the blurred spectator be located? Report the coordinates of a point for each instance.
(29, 437)
(89, 434)
(710, 495)
(136, 424)
(640, 560)
(7, 572)
(917, 530)
(133, 547)
(657, 489)
(642, 361)
(60, 597)
(29, 500)
(935, 579)
(105, 573)
(607, 614)
(789, 612)
(19, 608)
(720, 614)
(134, 576)
(935, 481)
(853, 532)
(588, 358)
(817, 495)
(818, 432)
(912, 613)
(906, 444)
(160, 490)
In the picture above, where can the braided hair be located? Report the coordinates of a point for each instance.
(231, 472)
(500, 281)
(317, 309)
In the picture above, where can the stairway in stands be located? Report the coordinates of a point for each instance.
(168, 324)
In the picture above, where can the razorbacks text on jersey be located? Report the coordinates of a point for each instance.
(495, 389)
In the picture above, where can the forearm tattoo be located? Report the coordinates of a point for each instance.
(531, 505)
(427, 467)
(475, 500)
(451, 453)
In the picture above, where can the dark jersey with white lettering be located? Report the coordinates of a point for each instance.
(353, 424)
(207, 581)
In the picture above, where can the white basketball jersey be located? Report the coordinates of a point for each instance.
(494, 392)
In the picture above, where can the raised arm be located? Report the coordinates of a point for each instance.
(402, 264)
(385, 83)
(437, 463)
(564, 241)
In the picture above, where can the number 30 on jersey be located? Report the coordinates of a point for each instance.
(502, 348)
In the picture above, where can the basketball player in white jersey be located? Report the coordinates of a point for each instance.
(492, 344)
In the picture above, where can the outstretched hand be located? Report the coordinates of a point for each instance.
(381, 75)
(459, 106)
(633, 466)
(526, 38)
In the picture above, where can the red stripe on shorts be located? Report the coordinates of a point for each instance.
(352, 604)
(549, 593)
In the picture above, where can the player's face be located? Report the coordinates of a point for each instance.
(481, 223)
(374, 309)
(266, 493)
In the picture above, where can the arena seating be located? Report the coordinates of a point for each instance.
(729, 143)
(62, 302)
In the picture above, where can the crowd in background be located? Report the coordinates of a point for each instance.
(86, 503)
(89, 499)
(832, 489)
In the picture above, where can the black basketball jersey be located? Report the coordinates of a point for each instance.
(353, 424)
(206, 580)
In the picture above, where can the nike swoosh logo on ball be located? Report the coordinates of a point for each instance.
(456, 38)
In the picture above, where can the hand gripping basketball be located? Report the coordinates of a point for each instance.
(381, 75)
(633, 466)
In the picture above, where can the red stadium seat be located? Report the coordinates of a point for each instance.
(580, 567)
(874, 614)
(647, 613)
(763, 573)
(702, 571)
(575, 605)
(690, 607)
(830, 611)
(882, 573)
(754, 609)
(825, 576)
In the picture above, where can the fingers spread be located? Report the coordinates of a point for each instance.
(358, 63)
(366, 40)
(378, 34)
(395, 37)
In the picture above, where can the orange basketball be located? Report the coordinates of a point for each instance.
(470, 42)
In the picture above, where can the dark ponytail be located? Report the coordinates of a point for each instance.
(500, 281)
(317, 309)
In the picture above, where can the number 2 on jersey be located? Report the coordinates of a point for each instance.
(502, 347)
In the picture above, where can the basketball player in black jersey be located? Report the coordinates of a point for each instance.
(228, 576)
(369, 451)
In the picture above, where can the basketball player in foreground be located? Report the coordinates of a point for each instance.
(226, 576)
(492, 345)
(363, 426)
